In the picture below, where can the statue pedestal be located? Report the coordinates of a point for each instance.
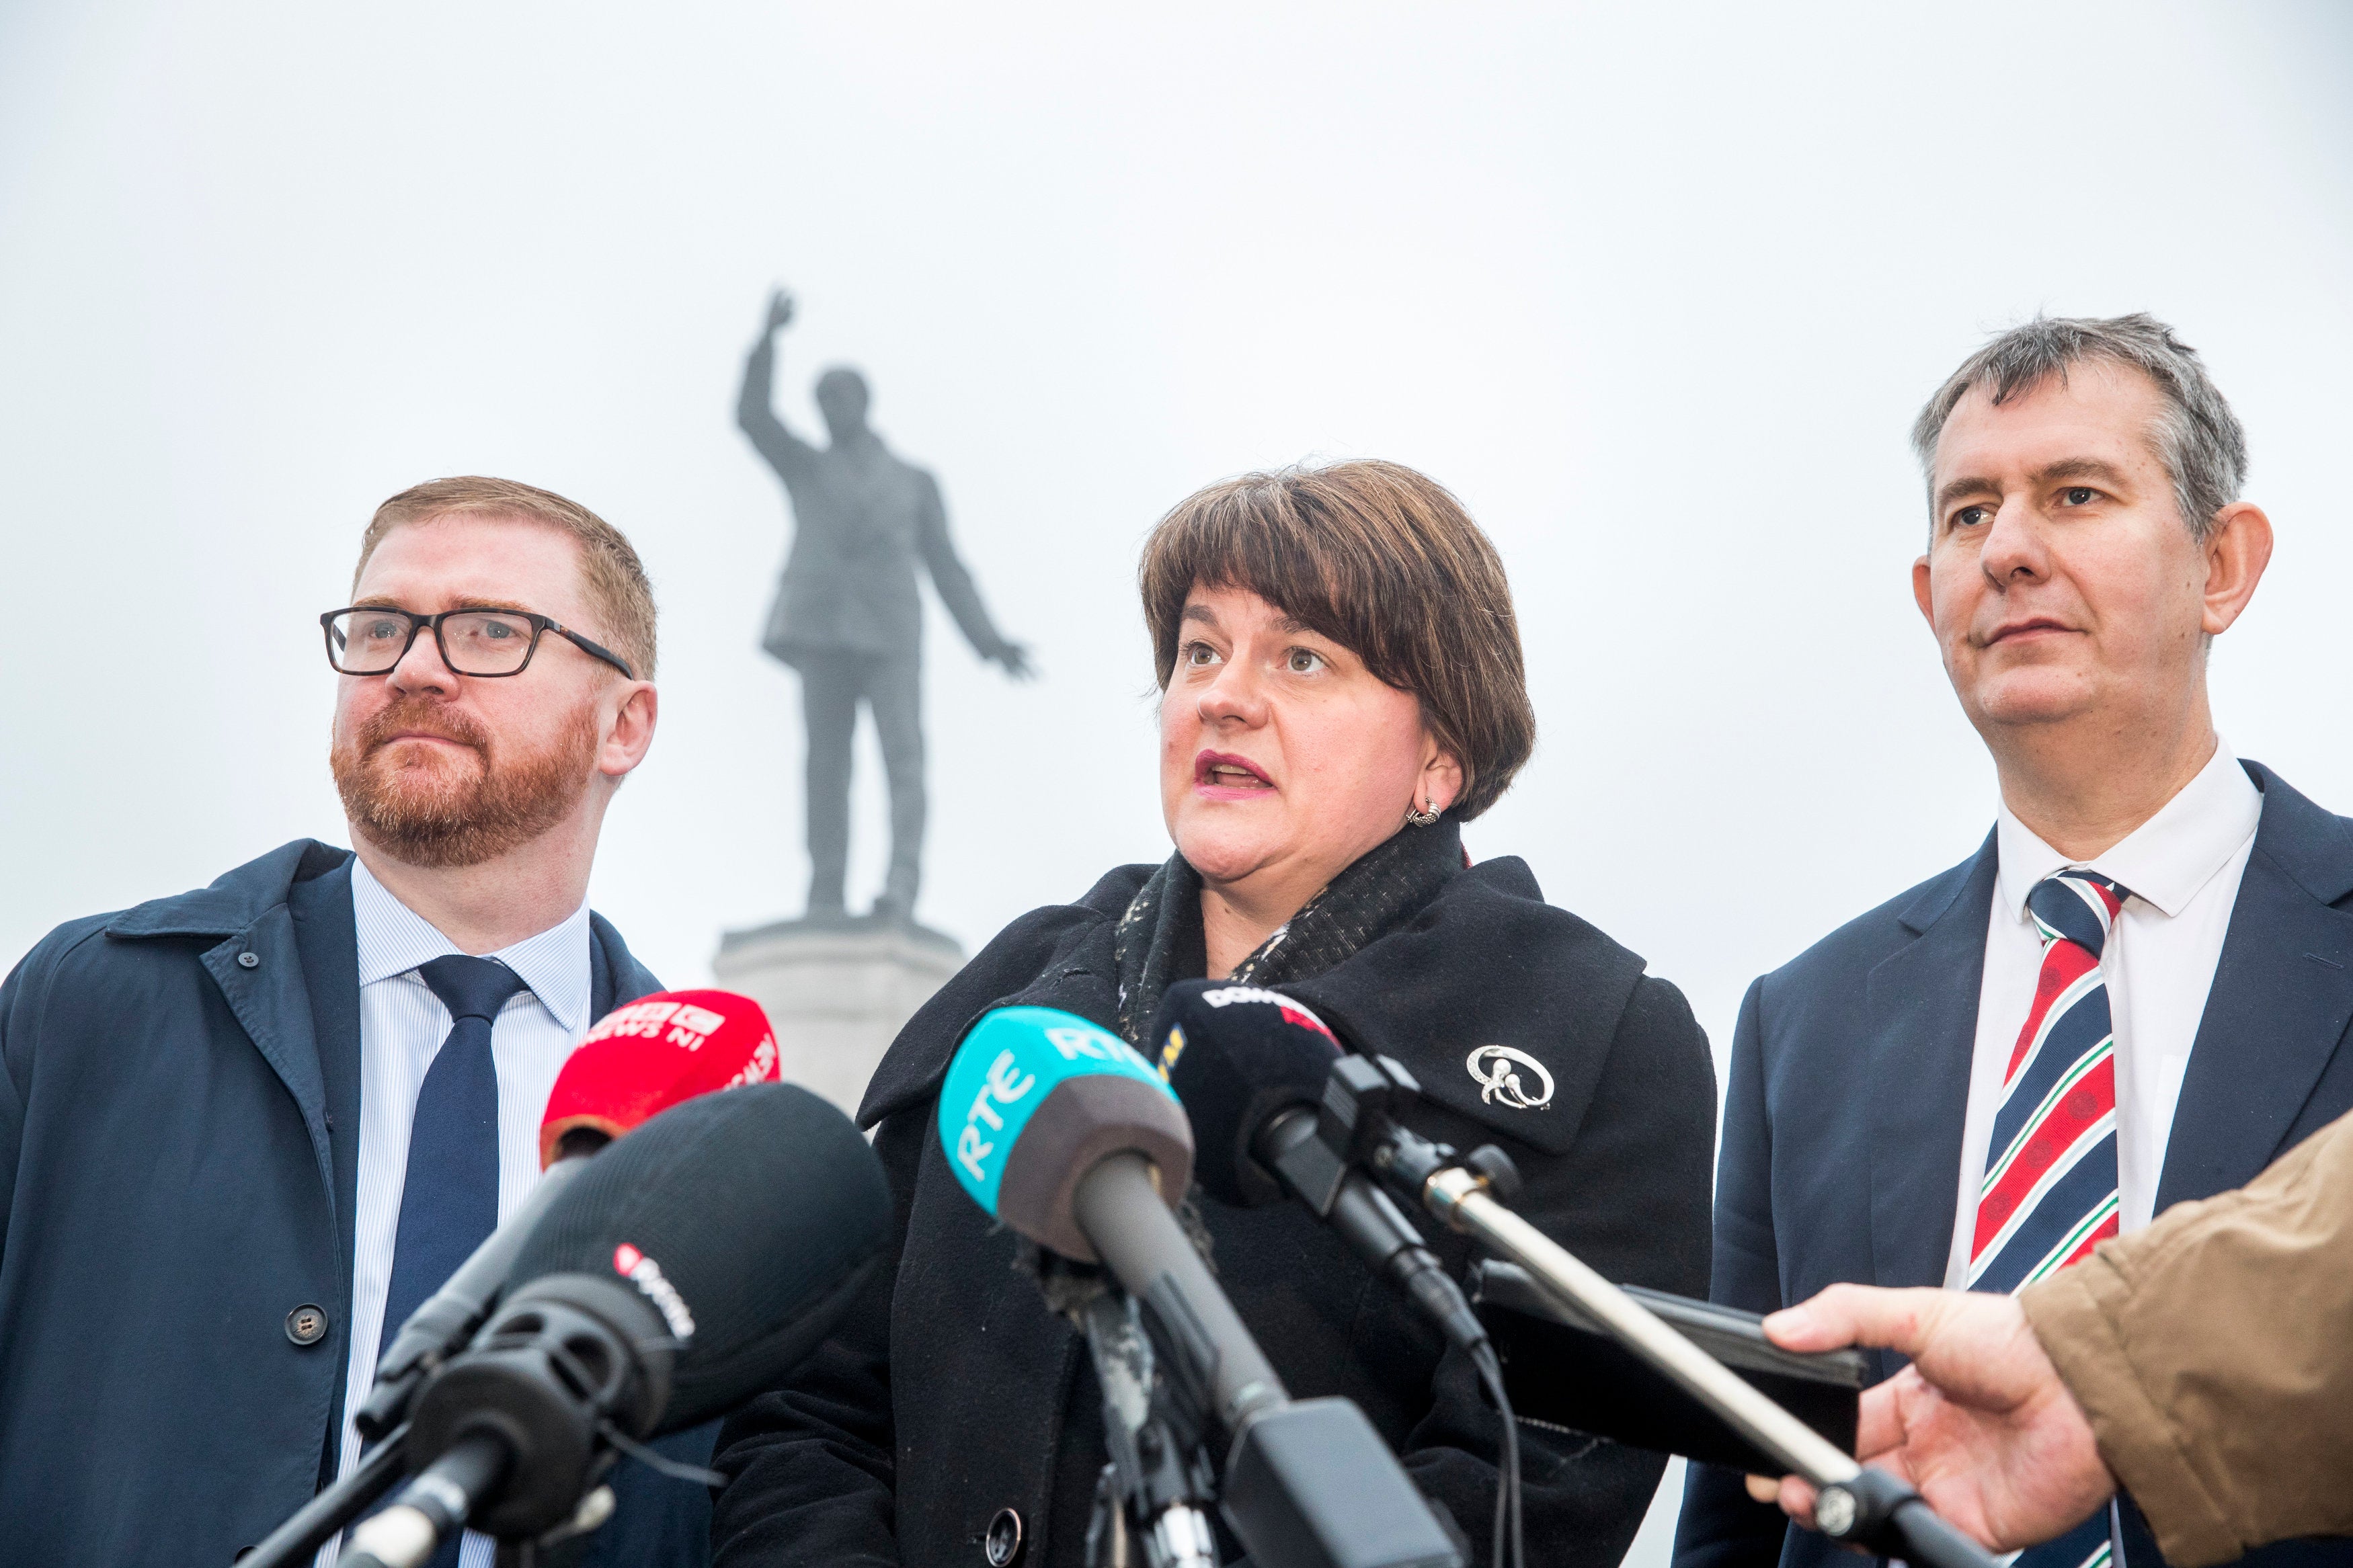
(837, 992)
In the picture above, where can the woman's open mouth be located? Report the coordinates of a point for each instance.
(1220, 775)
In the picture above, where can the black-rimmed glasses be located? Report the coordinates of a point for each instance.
(371, 640)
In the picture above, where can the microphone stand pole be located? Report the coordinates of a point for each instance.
(1855, 1504)
(296, 1542)
(1148, 1495)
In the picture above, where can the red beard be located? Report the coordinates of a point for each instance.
(440, 810)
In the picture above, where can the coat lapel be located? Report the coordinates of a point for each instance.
(2282, 997)
(1922, 1003)
(615, 975)
(273, 1004)
(259, 967)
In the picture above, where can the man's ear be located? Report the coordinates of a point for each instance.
(1922, 594)
(2236, 553)
(629, 733)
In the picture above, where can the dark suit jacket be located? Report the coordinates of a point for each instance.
(179, 1147)
(1851, 1074)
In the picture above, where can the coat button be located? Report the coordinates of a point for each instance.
(249, 961)
(1003, 1543)
(306, 1325)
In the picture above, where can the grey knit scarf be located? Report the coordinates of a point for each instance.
(1386, 884)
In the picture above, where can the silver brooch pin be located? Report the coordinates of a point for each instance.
(1495, 1068)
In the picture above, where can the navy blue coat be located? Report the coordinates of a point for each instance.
(1850, 1079)
(179, 1145)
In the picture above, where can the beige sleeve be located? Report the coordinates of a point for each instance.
(2213, 1353)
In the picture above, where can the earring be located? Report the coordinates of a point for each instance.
(1422, 817)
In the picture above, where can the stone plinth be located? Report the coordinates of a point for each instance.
(837, 993)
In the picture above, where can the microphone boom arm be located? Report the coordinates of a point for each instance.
(1856, 1505)
(296, 1541)
(1459, 1199)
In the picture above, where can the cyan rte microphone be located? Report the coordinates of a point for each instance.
(1059, 1128)
(671, 1279)
(1250, 1066)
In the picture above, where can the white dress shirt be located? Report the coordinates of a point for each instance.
(402, 1025)
(2182, 867)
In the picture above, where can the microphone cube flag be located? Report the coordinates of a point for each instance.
(646, 1056)
(1034, 1099)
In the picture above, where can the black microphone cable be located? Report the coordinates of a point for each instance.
(1508, 1515)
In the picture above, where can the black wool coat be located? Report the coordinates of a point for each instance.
(953, 1393)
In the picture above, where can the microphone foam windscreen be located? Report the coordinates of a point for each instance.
(748, 1220)
(646, 1056)
(1237, 1057)
(1035, 1097)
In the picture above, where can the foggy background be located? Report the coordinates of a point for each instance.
(1656, 291)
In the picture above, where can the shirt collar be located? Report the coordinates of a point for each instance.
(395, 939)
(2166, 859)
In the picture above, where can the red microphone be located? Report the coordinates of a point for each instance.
(646, 1056)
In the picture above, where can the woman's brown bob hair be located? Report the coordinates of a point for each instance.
(1384, 562)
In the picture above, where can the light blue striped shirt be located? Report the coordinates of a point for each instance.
(402, 1025)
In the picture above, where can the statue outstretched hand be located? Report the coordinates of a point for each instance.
(780, 311)
(1015, 658)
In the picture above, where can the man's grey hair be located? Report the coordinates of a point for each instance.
(2197, 437)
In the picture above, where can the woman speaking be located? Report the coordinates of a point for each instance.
(1341, 688)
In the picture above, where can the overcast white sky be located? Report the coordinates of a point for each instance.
(1655, 289)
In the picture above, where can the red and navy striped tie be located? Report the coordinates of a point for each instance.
(2050, 1192)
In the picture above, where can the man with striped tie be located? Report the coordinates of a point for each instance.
(2137, 991)
(245, 1130)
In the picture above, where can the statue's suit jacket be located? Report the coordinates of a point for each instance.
(179, 1154)
(1850, 1078)
(860, 524)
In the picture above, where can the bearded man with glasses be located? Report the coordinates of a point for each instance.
(245, 1130)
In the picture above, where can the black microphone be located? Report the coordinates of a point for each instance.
(678, 1273)
(642, 1058)
(449, 1318)
(1250, 1066)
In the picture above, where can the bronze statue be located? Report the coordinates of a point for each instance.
(849, 614)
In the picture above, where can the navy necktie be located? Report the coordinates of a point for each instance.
(449, 1199)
